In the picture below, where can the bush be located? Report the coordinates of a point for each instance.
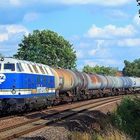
(127, 116)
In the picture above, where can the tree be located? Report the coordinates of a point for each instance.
(132, 68)
(138, 2)
(47, 47)
(100, 70)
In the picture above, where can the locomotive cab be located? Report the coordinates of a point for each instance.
(24, 82)
(18, 77)
(9, 77)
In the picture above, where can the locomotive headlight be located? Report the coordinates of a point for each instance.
(13, 90)
(1, 59)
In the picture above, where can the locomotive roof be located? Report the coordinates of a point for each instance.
(14, 60)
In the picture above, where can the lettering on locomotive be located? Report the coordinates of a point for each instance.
(2, 78)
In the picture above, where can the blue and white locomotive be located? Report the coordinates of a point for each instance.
(21, 82)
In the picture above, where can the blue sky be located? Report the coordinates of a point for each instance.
(102, 32)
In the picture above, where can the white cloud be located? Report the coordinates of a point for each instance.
(68, 2)
(90, 62)
(79, 54)
(11, 30)
(3, 37)
(102, 62)
(106, 45)
(74, 38)
(30, 16)
(116, 14)
(130, 42)
(109, 62)
(116, 36)
(14, 29)
(136, 20)
(10, 36)
(15, 2)
(93, 51)
(111, 31)
(84, 44)
(97, 2)
(98, 49)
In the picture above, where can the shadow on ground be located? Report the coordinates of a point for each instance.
(87, 122)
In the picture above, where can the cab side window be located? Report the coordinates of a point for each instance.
(9, 66)
(19, 67)
(0, 67)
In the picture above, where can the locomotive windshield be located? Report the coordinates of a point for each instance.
(9, 66)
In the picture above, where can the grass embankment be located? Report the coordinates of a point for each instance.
(127, 117)
(122, 124)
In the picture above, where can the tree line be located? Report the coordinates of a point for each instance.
(48, 47)
(100, 70)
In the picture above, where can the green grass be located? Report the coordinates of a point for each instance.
(113, 135)
(122, 124)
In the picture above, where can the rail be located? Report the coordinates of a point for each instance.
(32, 125)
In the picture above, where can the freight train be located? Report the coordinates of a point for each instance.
(25, 85)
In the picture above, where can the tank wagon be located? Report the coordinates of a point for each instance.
(26, 85)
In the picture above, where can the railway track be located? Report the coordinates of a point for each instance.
(48, 118)
(32, 113)
(7, 117)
